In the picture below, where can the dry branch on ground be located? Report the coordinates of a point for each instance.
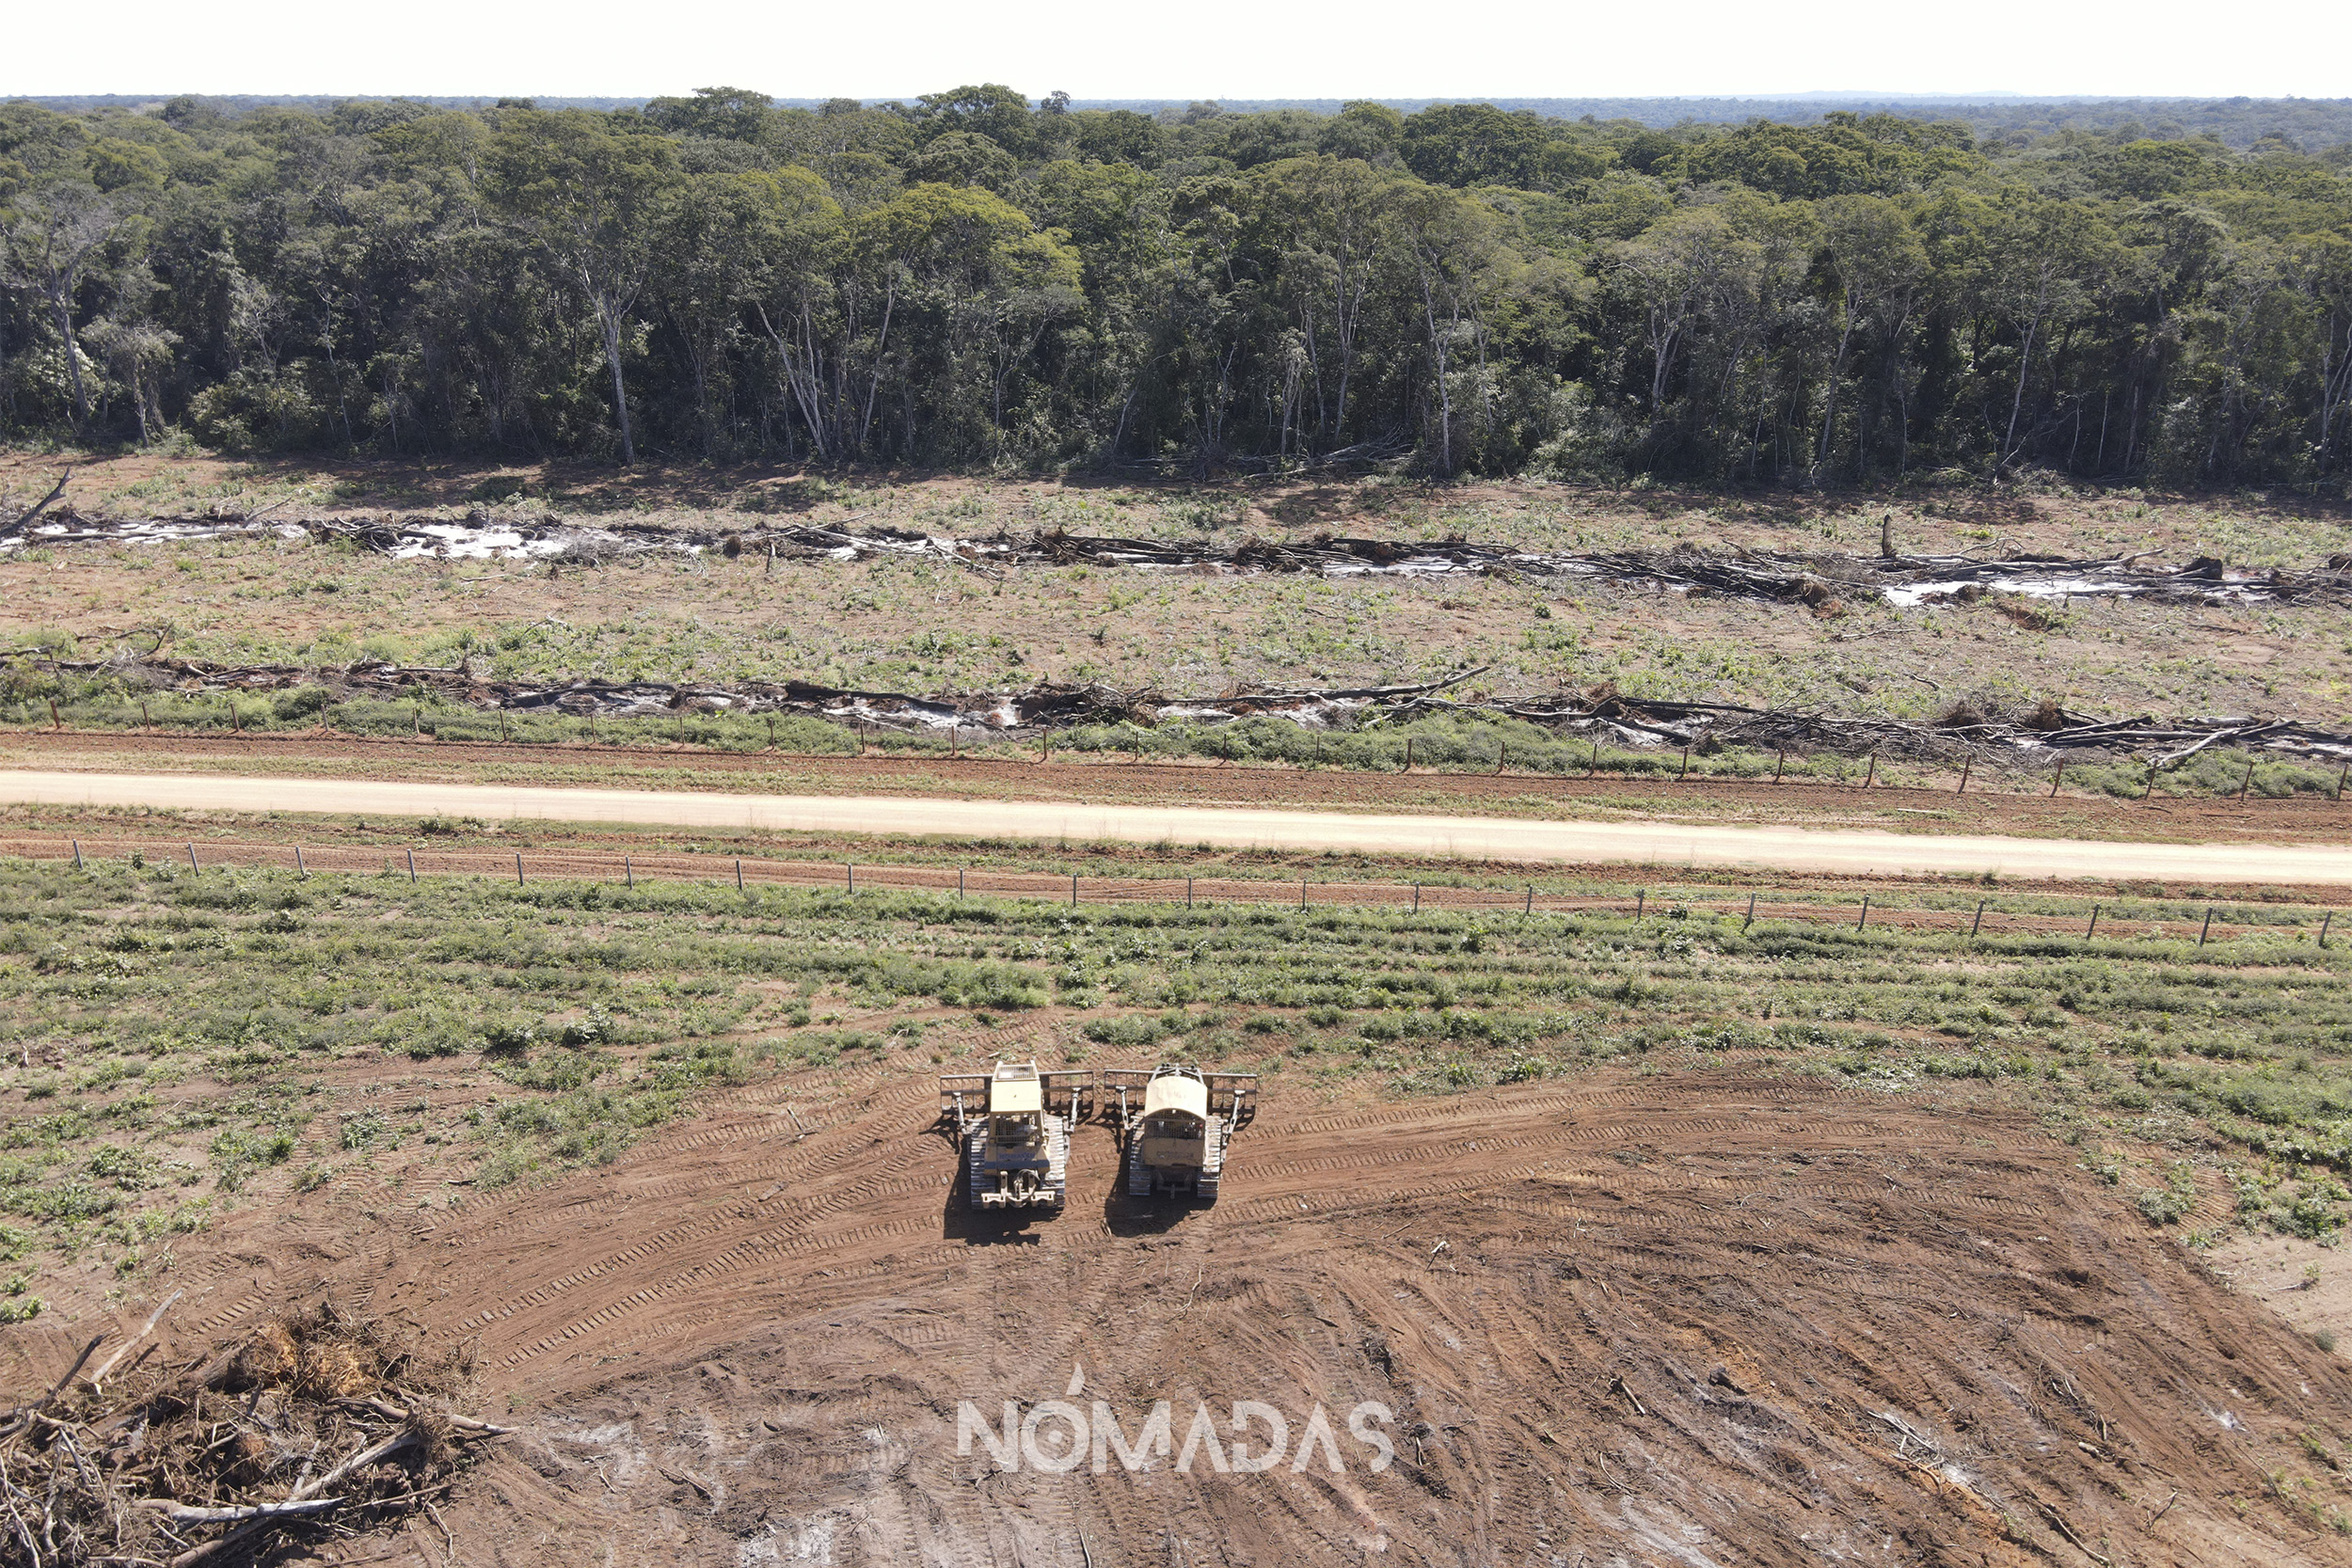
(320, 1424)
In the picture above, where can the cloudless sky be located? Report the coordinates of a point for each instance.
(1183, 49)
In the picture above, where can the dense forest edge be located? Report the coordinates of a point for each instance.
(975, 280)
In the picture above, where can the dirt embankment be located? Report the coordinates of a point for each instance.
(1717, 1319)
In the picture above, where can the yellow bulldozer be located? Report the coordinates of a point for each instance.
(1177, 1123)
(1014, 1122)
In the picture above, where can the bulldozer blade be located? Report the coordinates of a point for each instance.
(962, 1093)
(1068, 1092)
(1230, 1091)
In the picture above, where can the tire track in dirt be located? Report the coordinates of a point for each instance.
(1608, 1248)
(1427, 1154)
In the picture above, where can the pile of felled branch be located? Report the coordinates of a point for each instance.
(1049, 706)
(320, 1426)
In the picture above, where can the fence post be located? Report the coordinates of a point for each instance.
(1780, 760)
(1868, 778)
(412, 868)
(519, 868)
(1641, 901)
(1686, 766)
(1188, 892)
(2207, 929)
(2246, 783)
(501, 726)
(1302, 893)
(2057, 779)
(1417, 898)
(1866, 914)
(300, 869)
(77, 854)
(2326, 921)
(1751, 919)
(959, 881)
(1977, 924)
(1529, 907)
(1966, 764)
(738, 873)
(2149, 788)
(1409, 753)
(772, 729)
(236, 725)
(2095, 924)
(192, 866)
(852, 869)
(1503, 754)
(628, 873)
(1073, 890)
(2341, 774)
(145, 722)
(1593, 767)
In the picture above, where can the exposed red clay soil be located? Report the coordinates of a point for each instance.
(1718, 1319)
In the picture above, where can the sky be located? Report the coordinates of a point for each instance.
(1193, 48)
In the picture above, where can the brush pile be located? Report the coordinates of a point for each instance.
(320, 1426)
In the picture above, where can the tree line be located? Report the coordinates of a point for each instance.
(975, 280)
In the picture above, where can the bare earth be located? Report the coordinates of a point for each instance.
(1711, 1320)
(1470, 838)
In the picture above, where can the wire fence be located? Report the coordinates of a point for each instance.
(2215, 922)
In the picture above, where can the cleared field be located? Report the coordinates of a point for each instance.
(1660, 1234)
(183, 1043)
(931, 626)
(1721, 1315)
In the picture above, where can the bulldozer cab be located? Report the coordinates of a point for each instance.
(1016, 1106)
(1015, 1097)
(1176, 1095)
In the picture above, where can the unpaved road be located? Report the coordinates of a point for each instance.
(1846, 851)
(1722, 1319)
(1103, 779)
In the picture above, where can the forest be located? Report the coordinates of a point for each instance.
(976, 280)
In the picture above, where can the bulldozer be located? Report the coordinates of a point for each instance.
(1176, 1126)
(1014, 1122)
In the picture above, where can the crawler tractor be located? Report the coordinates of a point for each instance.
(1015, 1125)
(1177, 1127)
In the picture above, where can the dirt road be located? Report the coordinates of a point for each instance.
(1713, 1320)
(1848, 852)
(1103, 779)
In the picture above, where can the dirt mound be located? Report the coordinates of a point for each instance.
(1713, 1320)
